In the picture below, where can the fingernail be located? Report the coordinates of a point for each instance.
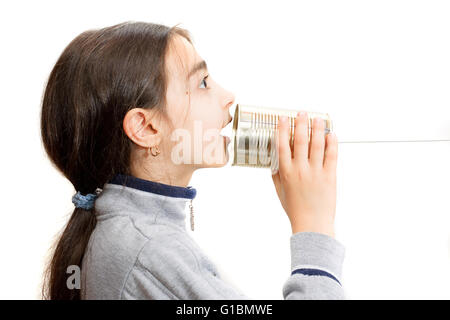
(283, 119)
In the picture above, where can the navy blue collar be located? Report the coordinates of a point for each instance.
(154, 187)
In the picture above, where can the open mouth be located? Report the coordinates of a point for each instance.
(227, 131)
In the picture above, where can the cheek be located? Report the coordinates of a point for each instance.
(177, 106)
(204, 128)
(205, 108)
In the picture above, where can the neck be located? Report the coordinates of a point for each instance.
(161, 169)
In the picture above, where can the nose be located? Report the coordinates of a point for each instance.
(229, 98)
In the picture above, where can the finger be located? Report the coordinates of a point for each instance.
(331, 152)
(284, 149)
(301, 138)
(317, 143)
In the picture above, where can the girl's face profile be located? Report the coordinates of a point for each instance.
(197, 106)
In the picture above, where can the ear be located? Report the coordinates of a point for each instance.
(142, 127)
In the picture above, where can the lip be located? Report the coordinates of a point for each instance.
(226, 129)
(229, 120)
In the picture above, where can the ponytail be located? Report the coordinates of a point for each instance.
(69, 251)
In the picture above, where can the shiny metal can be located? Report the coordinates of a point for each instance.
(255, 133)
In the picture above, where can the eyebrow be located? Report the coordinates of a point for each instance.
(197, 67)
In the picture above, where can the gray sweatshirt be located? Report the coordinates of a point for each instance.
(140, 249)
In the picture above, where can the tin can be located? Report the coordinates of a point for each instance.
(255, 133)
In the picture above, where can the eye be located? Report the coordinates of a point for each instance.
(203, 81)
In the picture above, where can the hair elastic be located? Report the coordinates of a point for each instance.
(85, 202)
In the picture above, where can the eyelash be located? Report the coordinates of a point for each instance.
(203, 80)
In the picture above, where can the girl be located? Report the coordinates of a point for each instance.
(112, 103)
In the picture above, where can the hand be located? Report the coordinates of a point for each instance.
(306, 179)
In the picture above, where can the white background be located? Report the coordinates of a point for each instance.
(380, 68)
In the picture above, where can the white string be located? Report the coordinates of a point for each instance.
(395, 141)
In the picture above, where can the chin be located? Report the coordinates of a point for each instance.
(224, 157)
(216, 164)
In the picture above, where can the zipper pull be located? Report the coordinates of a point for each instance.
(191, 207)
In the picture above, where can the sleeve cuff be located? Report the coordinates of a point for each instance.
(316, 251)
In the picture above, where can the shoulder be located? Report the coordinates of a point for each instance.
(125, 231)
(167, 250)
(164, 269)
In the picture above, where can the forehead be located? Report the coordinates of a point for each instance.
(180, 58)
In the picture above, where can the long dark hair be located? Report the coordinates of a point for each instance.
(98, 78)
